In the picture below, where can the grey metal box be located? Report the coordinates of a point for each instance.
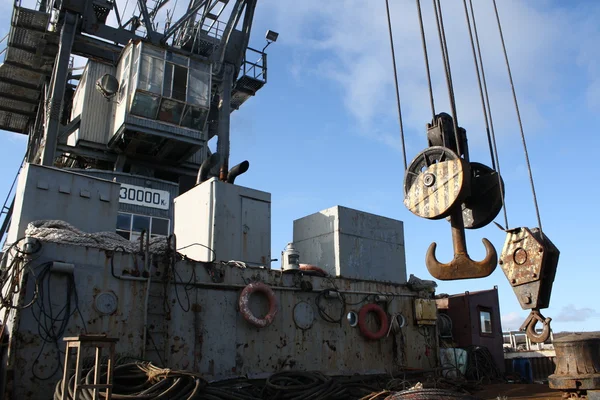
(89, 204)
(224, 222)
(352, 244)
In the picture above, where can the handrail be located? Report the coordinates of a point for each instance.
(6, 210)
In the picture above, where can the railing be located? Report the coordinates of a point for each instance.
(7, 207)
(519, 341)
(3, 46)
(255, 69)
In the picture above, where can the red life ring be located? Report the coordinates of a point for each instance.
(312, 268)
(362, 323)
(245, 309)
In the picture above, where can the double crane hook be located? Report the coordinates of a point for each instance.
(461, 267)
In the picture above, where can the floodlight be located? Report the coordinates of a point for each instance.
(108, 85)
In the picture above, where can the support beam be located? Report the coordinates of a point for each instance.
(88, 47)
(224, 117)
(71, 126)
(57, 88)
(189, 14)
(146, 16)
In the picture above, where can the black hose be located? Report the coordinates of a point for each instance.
(295, 385)
(430, 394)
(237, 171)
(206, 166)
(144, 381)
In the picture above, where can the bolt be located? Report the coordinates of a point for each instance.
(428, 179)
(526, 299)
(513, 280)
(534, 275)
(541, 249)
(500, 262)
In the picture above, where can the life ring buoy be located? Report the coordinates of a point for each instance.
(313, 268)
(245, 308)
(362, 321)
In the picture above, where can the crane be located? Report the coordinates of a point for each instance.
(442, 182)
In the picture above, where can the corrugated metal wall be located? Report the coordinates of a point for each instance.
(142, 181)
(541, 367)
(121, 108)
(78, 101)
(97, 110)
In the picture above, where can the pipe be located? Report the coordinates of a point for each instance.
(206, 166)
(237, 171)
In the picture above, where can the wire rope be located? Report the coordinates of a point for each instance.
(512, 85)
(437, 7)
(424, 41)
(387, 7)
(485, 101)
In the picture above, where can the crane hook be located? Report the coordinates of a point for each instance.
(529, 326)
(461, 267)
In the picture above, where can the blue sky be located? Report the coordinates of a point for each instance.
(324, 130)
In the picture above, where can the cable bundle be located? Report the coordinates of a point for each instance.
(430, 394)
(481, 365)
(142, 380)
(294, 385)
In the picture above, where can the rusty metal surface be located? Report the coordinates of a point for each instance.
(529, 263)
(425, 311)
(461, 267)
(577, 362)
(198, 326)
(464, 310)
(485, 199)
(434, 182)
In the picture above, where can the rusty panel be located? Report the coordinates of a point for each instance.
(92, 276)
(426, 311)
(203, 330)
(464, 309)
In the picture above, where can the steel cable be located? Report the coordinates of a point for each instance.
(430, 394)
(512, 85)
(387, 7)
(491, 132)
(437, 7)
(144, 381)
(293, 385)
(424, 42)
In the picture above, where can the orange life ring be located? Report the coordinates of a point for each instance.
(245, 309)
(362, 323)
(312, 268)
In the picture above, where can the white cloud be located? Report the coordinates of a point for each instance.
(570, 313)
(511, 321)
(347, 42)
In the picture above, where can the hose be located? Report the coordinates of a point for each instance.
(430, 394)
(144, 381)
(295, 385)
(141, 380)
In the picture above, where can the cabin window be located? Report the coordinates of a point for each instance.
(130, 226)
(170, 87)
(145, 105)
(151, 74)
(199, 84)
(194, 118)
(485, 321)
